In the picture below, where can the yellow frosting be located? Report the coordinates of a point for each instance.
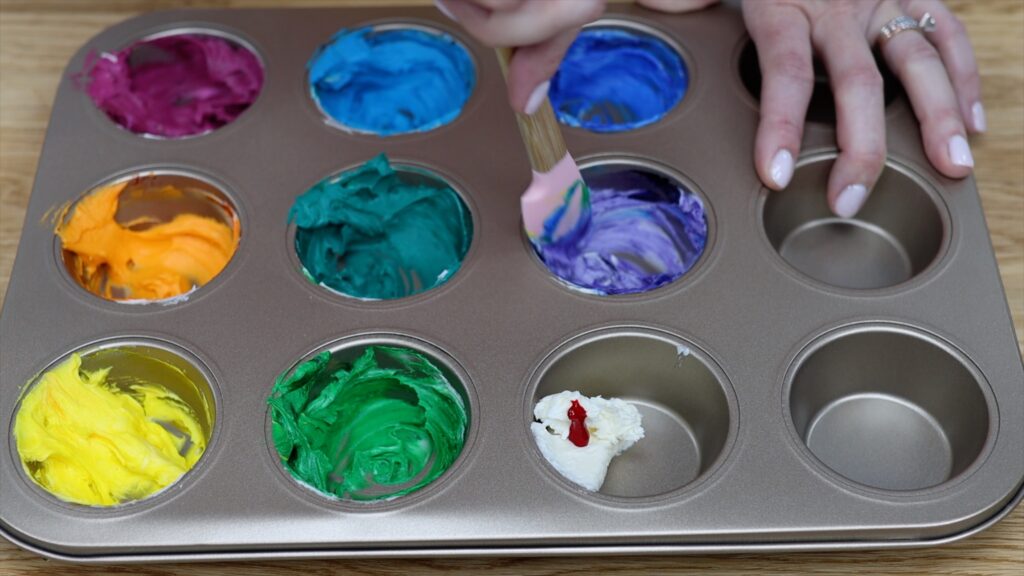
(90, 442)
(155, 262)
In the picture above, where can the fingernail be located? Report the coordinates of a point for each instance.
(444, 9)
(537, 97)
(850, 200)
(978, 114)
(782, 168)
(960, 152)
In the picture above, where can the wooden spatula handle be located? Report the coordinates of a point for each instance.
(540, 130)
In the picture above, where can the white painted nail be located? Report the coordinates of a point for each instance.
(960, 151)
(850, 200)
(978, 115)
(444, 9)
(537, 97)
(782, 168)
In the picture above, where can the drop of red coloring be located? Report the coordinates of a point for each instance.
(578, 434)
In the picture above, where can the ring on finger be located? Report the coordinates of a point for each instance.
(903, 24)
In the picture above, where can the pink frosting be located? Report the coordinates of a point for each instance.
(175, 86)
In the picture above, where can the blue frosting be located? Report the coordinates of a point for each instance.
(391, 82)
(613, 80)
(644, 231)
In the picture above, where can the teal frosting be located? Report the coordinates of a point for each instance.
(384, 426)
(378, 234)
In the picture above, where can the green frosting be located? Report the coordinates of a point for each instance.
(374, 233)
(381, 427)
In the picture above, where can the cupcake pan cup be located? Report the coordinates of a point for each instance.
(682, 395)
(143, 198)
(146, 53)
(343, 353)
(396, 25)
(786, 361)
(150, 361)
(895, 237)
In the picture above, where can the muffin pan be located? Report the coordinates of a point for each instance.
(810, 384)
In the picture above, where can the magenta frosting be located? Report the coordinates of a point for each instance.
(175, 86)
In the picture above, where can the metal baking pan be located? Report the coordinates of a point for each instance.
(796, 345)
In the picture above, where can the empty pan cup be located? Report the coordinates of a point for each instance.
(890, 407)
(901, 230)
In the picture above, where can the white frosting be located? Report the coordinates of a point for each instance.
(614, 425)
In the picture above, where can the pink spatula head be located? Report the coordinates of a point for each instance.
(557, 203)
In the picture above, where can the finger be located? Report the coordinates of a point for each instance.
(535, 21)
(531, 69)
(923, 75)
(676, 5)
(950, 38)
(444, 9)
(487, 5)
(499, 5)
(860, 114)
(783, 39)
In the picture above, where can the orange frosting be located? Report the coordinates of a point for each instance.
(145, 258)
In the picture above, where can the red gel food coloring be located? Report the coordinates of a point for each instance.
(578, 434)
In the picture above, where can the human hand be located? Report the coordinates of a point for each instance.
(842, 32)
(676, 5)
(542, 31)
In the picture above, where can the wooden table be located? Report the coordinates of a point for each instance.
(37, 37)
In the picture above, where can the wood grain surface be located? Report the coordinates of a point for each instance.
(37, 37)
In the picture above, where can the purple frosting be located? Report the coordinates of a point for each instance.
(175, 86)
(644, 231)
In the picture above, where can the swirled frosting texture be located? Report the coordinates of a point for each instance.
(374, 233)
(613, 80)
(390, 82)
(644, 231)
(143, 259)
(175, 86)
(384, 426)
(88, 441)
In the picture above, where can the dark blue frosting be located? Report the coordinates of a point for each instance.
(613, 80)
